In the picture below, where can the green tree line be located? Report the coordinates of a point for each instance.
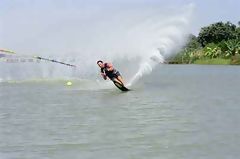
(218, 43)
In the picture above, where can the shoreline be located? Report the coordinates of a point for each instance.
(208, 61)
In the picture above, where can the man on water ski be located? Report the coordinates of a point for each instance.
(107, 70)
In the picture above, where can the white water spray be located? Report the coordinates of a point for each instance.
(172, 35)
(135, 39)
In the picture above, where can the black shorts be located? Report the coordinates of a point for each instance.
(113, 74)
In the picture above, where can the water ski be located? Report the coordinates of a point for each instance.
(120, 86)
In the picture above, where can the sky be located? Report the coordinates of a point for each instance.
(205, 12)
(21, 17)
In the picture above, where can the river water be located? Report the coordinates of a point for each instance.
(176, 112)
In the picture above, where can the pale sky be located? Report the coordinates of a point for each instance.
(21, 17)
(206, 11)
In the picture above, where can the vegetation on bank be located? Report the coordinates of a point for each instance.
(218, 43)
